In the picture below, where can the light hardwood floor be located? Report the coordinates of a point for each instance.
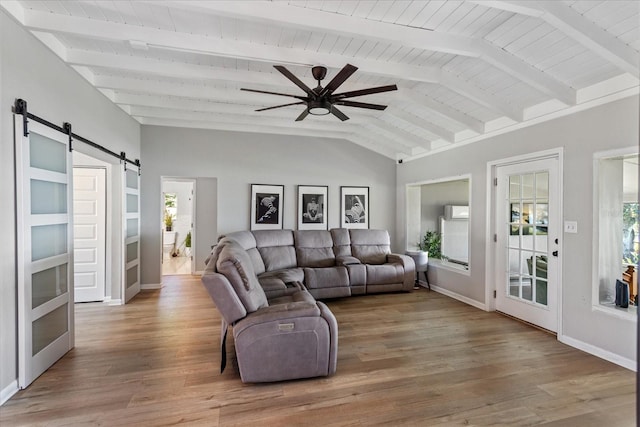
(418, 359)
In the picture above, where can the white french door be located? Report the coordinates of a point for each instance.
(44, 249)
(131, 230)
(527, 235)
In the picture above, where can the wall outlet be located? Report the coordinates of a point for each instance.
(571, 226)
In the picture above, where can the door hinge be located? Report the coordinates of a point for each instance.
(495, 237)
(495, 181)
(495, 293)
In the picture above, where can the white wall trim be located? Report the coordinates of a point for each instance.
(598, 352)
(8, 391)
(151, 286)
(456, 296)
(117, 301)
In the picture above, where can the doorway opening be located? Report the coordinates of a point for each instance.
(178, 197)
(90, 228)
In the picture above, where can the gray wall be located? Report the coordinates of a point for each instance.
(239, 159)
(55, 92)
(614, 125)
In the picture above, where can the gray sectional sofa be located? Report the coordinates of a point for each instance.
(265, 284)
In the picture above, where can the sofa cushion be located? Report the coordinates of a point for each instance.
(331, 277)
(276, 249)
(278, 257)
(341, 242)
(248, 242)
(314, 248)
(370, 246)
(234, 263)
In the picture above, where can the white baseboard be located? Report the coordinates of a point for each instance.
(198, 273)
(112, 301)
(454, 295)
(7, 392)
(151, 286)
(599, 352)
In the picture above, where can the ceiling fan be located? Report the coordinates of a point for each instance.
(321, 100)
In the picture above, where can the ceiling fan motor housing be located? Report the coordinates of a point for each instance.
(319, 72)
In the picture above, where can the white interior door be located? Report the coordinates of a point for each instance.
(131, 228)
(44, 249)
(527, 236)
(89, 225)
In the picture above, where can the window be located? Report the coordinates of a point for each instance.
(616, 241)
(440, 208)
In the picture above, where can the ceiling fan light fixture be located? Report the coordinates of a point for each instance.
(319, 108)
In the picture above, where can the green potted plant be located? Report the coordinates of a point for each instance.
(168, 221)
(187, 244)
(430, 243)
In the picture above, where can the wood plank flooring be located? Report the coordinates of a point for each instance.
(417, 359)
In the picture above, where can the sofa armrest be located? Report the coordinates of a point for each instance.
(277, 313)
(409, 269)
(405, 260)
(347, 260)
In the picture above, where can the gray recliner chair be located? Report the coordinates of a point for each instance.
(288, 337)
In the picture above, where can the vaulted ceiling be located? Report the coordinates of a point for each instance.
(464, 69)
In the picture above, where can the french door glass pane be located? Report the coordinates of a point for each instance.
(49, 327)
(132, 275)
(542, 185)
(48, 197)
(132, 227)
(132, 251)
(132, 203)
(48, 284)
(132, 179)
(47, 153)
(48, 241)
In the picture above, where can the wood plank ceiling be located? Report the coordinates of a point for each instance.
(463, 68)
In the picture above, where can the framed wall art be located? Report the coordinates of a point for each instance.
(267, 202)
(354, 209)
(312, 207)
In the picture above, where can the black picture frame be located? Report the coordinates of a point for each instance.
(267, 202)
(354, 207)
(313, 207)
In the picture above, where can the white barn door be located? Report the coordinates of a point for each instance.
(131, 230)
(44, 248)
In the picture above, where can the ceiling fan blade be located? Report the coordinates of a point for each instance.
(303, 115)
(280, 106)
(339, 78)
(302, 98)
(361, 92)
(361, 105)
(288, 74)
(339, 114)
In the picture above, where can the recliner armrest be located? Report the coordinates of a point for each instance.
(276, 313)
(404, 260)
(347, 260)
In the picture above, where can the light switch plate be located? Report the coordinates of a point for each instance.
(571, 226)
